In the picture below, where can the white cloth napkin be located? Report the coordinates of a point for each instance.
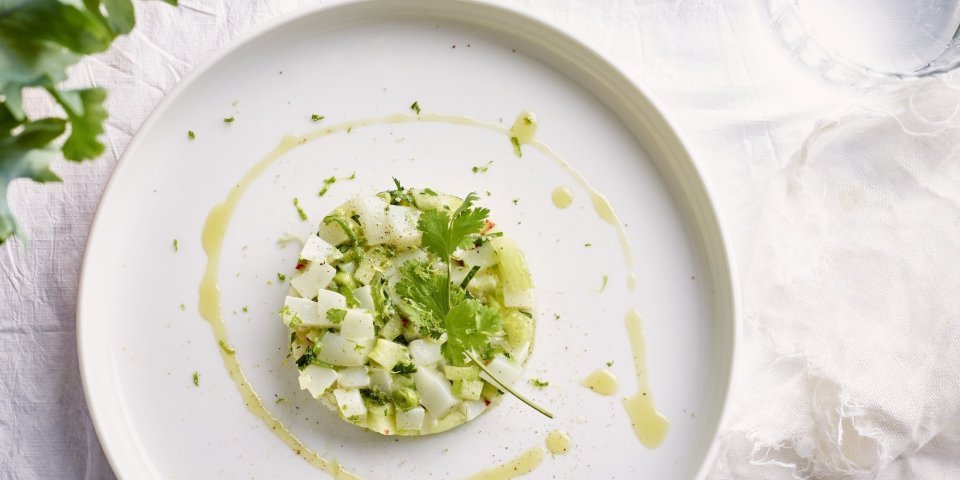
(852, 299)
(847, 249)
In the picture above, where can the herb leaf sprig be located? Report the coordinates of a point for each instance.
(39, 40)
(436, 306)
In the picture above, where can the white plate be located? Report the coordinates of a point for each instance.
(138, 349)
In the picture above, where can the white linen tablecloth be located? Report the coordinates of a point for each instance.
(844, 222)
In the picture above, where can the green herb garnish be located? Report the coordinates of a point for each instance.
(399, 195)
(610, 363)
(436, 306)
(39, 41)
(300, 212)
(336, 315)
(482, 168)
(415, 107)
(375, 396)
(536, 382)
(330, 181)
(281, 277)
(516, 146)
(229, 119)
(176, 245)
(316, 118)
(405, 369)
(191, 135)
(226, 348)
(196, 379)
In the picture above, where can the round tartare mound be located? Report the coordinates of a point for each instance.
(396, 300)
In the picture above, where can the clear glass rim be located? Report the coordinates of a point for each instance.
(804, 44)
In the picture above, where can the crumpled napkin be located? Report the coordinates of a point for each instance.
(852, 302)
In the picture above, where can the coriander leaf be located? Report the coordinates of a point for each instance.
(424, 295)
(86, 114)
(26, 154)
(415, 107)
(470, 325)
(71, 25)
(375, 396)
(404, 369)
(120, 17)
(39, 40)
(399, 195)
(443, 234)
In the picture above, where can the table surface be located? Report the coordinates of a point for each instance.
(738, 99)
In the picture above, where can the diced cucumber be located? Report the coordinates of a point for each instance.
(468, 389)
(401, 381)
(402, 226)
(328, 300)
(434, 390)
(503, 369)
(392, 329)
(315, 334)
(300, 311)
(406, 398)
(373, 219)
(517, 284)
(425, 352)
(312, 279)
(380, 419)
(350, 403)
(518, 328)
(483, 256)
(388, 354)
(346, 280)
(484, 284)
(372, 264)
(338, 350)
(490, 392)
(354, 377)
(470, 372)
(357, 325)
(472, 409)
(332, 233)
(411, 420)
(364, 297)
(319, 251)
(452, 419)
(382, 379)
(316, 379)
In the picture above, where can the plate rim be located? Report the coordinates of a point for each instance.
(728, 275)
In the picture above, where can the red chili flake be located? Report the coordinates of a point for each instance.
(301, 264)
(486, 402)
(489, 226)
